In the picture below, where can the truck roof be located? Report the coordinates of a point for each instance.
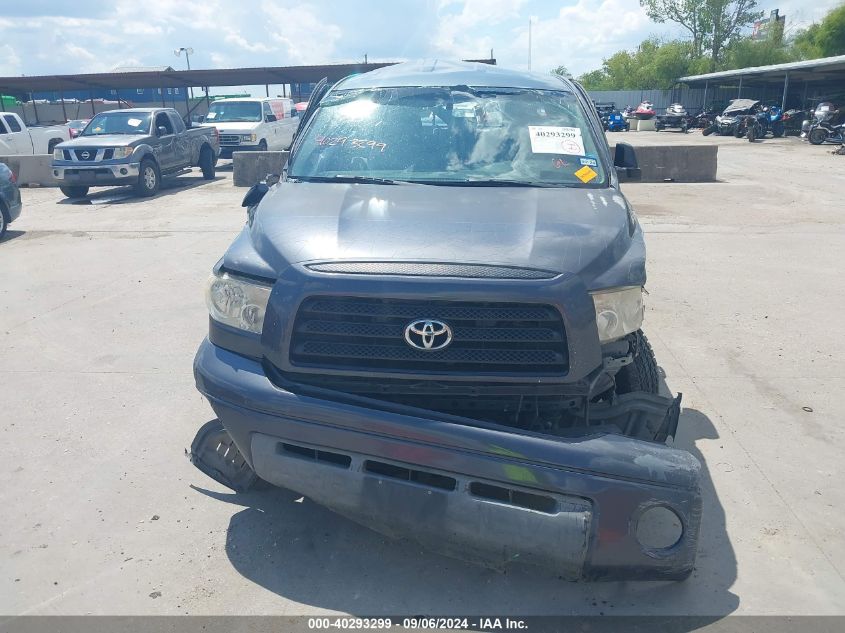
(451, 73)
(138, 110)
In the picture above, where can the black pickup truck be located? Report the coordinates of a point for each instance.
(431, 325)
(136, 146)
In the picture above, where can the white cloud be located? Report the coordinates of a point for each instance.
(308, 38)
(242, 42)
(10, 63)
(458, 33)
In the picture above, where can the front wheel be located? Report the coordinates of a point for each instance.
(74, 191)
(262, 146)
(751, 134)
(642, 374)
(778, 129)
(206, 163)
(4, 223)
(149, 178)
(708, 130)
(817, 136)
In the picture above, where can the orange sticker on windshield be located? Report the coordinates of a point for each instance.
(586, 174)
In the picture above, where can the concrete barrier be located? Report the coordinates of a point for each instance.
(249, 168)
(658, 163)
(642, 125)
(32, 170)
(677, 163)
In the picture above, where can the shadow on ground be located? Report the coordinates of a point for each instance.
(10, 235)
(299, 550)
(119, 195)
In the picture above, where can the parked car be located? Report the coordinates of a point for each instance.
(730, 122)
(76, 126)
(135, 146)
(10, 199)
(253, 124)
(436, 331)
(18, 139)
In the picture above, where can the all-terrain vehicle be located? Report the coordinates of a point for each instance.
(435, 330)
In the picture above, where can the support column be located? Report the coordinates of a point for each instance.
(163, 104)
(785, 88)
(35, 109)
(62, 98)
(91, 98)
(739, 92)
(267, 89)
(704, 99)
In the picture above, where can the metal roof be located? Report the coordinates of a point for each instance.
(822, 69)
(141, 69)
(451, 73)
(184, 78)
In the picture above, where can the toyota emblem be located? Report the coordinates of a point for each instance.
(428, 335)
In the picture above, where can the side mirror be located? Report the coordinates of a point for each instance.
(625, 161)
(255, 194)
(161, 130)
(269, 118)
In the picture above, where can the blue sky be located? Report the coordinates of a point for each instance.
(49, 37)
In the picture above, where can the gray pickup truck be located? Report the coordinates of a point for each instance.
(133, 147)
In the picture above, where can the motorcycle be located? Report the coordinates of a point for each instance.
(771, 120)
(825, 113)
(750, 126)
(793, 120)
(826, 132)
(676, 117)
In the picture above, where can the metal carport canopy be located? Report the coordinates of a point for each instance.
(820, 71)
(823, 69)
(22, 86)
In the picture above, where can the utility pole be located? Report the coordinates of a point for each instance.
(188, 52)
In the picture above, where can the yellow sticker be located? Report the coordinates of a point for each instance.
(586, 174)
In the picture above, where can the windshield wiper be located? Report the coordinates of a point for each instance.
(342, 178)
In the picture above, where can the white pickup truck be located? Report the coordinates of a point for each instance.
(16, 139)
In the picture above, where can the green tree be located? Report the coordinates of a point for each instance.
(653, 64)
(713, 24)
(824, 39)
(563, 71)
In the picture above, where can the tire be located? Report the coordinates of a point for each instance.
(4, 221)
(74, 191)
(642, 374)
(778, 129)
(751, 134)
(206, 162)
(52, 144)
(262, 146)
(817, 136)
(149, 179)
(707, 131)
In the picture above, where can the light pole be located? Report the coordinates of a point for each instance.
(188, 52)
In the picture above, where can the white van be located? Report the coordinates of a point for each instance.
(252, 124)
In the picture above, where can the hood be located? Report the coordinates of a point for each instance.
(740, 105)
(104, 140)
(583, 231)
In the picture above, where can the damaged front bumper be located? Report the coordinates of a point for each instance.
(579, 506)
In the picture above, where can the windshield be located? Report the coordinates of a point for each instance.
(234, 111)
(118, 123)
(451, 135)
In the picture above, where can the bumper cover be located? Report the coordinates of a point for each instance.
(226, 151)
(489, 496)
(97, 174)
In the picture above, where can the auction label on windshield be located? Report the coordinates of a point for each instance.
(549, 139)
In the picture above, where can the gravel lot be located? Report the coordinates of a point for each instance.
(101, 311)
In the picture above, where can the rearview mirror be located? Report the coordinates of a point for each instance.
(625, 161)
(162, 131)
(255, 194)
(269, 118)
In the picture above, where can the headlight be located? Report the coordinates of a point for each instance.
(58, 154)
(237, 302)
(123, 152)
(248, 137)
(618, 312)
